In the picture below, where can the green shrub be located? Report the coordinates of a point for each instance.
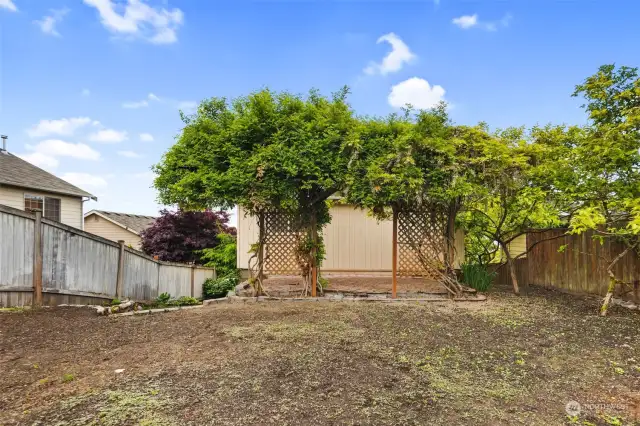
(184, 301)
(219, 287)
(476, 276)
(223, 256)
(163, 299)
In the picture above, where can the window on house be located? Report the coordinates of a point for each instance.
(49, 206)
(52, 208)
(33, 202)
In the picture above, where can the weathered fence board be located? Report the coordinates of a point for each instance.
(75, 262)
(16, 251)
(78, 266)
(581, 266)
(574, 263)
(176, 279)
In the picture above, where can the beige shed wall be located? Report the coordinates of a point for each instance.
(354, 241)
(70, 207)
(102, 227)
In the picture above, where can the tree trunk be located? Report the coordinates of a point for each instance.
(258, 289)
(613, 280)
(450, 237)
(512, 268)
(314, 252)
(607, 298)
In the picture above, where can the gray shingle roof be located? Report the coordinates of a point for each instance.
(15, 171)
(135, 222)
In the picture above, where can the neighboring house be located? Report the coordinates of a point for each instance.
(27, 187)
(117, 226)
(354, 241)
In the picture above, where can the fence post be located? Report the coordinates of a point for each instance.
(120, 276)
(37, 259)
(193, 279)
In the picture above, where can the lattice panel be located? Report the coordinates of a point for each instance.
(281, 239)
(421, 244)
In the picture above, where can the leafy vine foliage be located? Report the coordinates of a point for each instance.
(266, 152)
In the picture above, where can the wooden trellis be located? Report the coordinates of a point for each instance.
(420, 242)
(281, 236)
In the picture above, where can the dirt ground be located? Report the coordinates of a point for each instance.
(507, 361)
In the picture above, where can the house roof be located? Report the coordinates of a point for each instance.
(15, 171)
(132, 222)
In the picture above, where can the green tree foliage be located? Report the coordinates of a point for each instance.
(606, 162)
(508, 198)
(265, 152)
(223, 257)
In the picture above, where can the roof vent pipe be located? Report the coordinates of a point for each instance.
(4, 142)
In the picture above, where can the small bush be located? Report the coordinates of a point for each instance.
(219, 287)
(163, 299)
(476, 276)
(183, 301)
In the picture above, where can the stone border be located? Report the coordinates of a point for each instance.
(262, 299)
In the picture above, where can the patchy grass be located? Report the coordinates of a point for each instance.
(511, 361)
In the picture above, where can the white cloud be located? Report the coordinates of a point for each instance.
(136, 19)
(8, 4)
(146, 137)
(467, 22)
(86, 92)
(84, 179)
(143, 103)
(108, 136)
(135, 105)
(128, 154)
(394, 61)
(416, 92)
(59, 148)
(62, 127)
(41, 160)
(187, 106)
(48, 23)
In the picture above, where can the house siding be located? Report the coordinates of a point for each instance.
(354, 241)
(70, 207)
(102, 227)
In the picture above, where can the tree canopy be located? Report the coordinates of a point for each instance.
(289, 153)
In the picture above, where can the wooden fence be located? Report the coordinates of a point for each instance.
(579, 267)
(47, 262)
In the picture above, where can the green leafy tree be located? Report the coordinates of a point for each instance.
(606, 162)
(267, 152)
(223, 257)
(507, 199)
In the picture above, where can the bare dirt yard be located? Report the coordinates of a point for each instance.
(508, 361)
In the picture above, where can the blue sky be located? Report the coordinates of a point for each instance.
(90, 89)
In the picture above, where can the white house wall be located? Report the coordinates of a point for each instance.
(70, 207)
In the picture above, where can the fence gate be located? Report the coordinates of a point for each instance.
(281, 237)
